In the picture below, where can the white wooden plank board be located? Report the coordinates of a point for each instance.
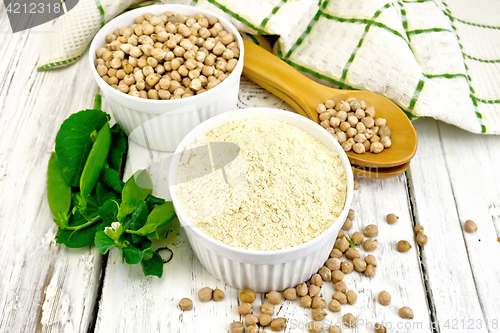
(44, 287)
(150, 304)
(448, 269)
(477, 197)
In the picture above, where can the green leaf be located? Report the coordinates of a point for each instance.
(137, 187)
(102, 195)
(58, 192)
(109, 177)
(153, 266)
(74, 141)
(153, 201)
(103, 242)
(108, 211)
(137, 219)
(132, 254)
(147, 253)
(79, 238)
(118, 147)
(159, 217)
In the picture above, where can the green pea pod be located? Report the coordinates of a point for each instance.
(96, 161)
(58, 192)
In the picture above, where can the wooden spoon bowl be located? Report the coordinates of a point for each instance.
(304, 95)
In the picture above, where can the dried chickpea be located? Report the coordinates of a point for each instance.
(384, 298)
(371, 260)
(359, 265)
(325, 273)
(347, 224)
(341, 234)
(357, 238)
(352, 253)
(245, 308)
(351, 297)
(340, 286)
(186, 304)
(290, 294)
(371, 230)
(218, 295)
(334, 306)
(392, 218)
(404, 246)
(251, 319)
(370, 244)
(386, 141)
(317, 280)
(369, 271)
(333, 264)
(337, 276)
(349, 320)
(421, 239)
(319, 313)
(351, 214)
(317, 302)
(340, 297)
(247, 296)
(342, 244)
(267, 308)
(236, 327)
(252, 329)
(376, 147)
(418, 229)
(379, 328)
(406, 312)
(334, 254)
(274, 297)
(334, 329)
(278, 324)
(265, 320)
(470, 226)
(314, 327)
(347, 267)
(314, 290)
(302, 290)
(306, 301)
(205, 294)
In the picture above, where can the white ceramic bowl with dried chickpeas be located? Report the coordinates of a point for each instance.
(261, 271)
(162, 124)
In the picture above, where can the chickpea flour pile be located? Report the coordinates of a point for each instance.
(285, 188)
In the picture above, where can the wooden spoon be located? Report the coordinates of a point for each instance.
(304, 95)
(379, 173)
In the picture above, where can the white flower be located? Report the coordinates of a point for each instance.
(115, 225)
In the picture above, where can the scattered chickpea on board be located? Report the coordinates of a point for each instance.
(308, 292)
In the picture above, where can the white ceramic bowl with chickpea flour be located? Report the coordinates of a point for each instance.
(162, 124)
(260, 270)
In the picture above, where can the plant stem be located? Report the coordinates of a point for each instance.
(85, 225)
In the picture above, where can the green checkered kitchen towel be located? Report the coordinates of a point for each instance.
(434, 58)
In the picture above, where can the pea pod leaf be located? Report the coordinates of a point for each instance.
(108, 211)
(147, 254)
(137, 187)
(109, 177)
(153, 201)
(159, 217)
(153, 266)
(74, 141)
(103, 242)
(118, 147)
(138, 217)
(132, 254)
(77, 239)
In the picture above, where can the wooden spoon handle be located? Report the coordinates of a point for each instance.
(276, 76)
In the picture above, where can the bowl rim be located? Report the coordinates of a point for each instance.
(154, 9)
(247, 114)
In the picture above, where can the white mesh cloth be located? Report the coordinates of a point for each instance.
(435, 58)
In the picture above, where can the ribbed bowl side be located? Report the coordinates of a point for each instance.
(261, 278)
(165, 132)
